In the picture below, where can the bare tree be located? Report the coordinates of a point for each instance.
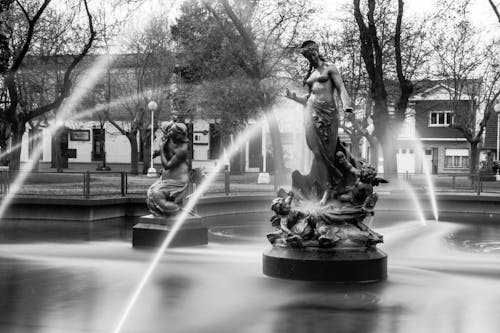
(27, 37)
(267, 31)
(146, 75)
(471, 73)
(405, 57)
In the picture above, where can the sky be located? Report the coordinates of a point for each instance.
(482, 14)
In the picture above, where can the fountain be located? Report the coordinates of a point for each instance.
(63, 277)
(428, 177)
(320, 234)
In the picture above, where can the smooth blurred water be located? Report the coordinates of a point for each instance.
(443, 277)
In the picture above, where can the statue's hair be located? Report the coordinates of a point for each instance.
(175, 131)
(310, 44)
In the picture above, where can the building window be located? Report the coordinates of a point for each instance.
(456, 158)
(441, 118)
(405, 151)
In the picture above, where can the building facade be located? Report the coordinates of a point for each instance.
(85, 142)
(426, 142)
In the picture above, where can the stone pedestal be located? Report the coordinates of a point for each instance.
(334, 265)
(152, 230)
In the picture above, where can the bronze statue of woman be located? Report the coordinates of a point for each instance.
(321, 123)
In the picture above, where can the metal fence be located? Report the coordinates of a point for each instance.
(455, 182)
(90, 184)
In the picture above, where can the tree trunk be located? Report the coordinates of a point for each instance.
(390, 158)
(279, 162)
(373, 158)
(58, 156)
(134, 153)
(385, 134)
(355, 141)
(146, 151)
(5, 154)
(15, 154)
(474, 157)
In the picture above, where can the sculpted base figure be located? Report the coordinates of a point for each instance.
(332, 201)
(166, 196)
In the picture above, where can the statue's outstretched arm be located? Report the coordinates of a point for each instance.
(302, 100)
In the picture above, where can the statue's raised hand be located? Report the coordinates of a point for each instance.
(293, 96)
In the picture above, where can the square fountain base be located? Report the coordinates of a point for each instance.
(152, 230)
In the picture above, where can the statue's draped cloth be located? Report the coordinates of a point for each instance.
(164, 189)
(321, 126)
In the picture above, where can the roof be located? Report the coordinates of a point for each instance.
(446, 89)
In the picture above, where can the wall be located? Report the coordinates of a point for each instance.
(423, 108)
(117, 146)
(201, 139)
(441, 146)
(83, 148)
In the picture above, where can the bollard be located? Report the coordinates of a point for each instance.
(122, 183)
(126, 182)
(226, 182)
(84, 188)
(478, 185)
(87, 184)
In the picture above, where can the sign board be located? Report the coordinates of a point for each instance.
(79, 135)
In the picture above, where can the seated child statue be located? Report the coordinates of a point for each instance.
(293, 226)
(166, 196)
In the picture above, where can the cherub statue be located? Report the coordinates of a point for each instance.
(167, 195)
(293, 226)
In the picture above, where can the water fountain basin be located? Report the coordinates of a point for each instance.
(333, 265)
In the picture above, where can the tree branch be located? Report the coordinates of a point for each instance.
(247, 38)
(115, 124)
(67, 75)
(366, 42)
(406, 86)
(29, 36)
(495, 9)
(372, 28)
(24, 11)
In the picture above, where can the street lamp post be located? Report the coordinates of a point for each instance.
(152, 106)
(497, 110)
